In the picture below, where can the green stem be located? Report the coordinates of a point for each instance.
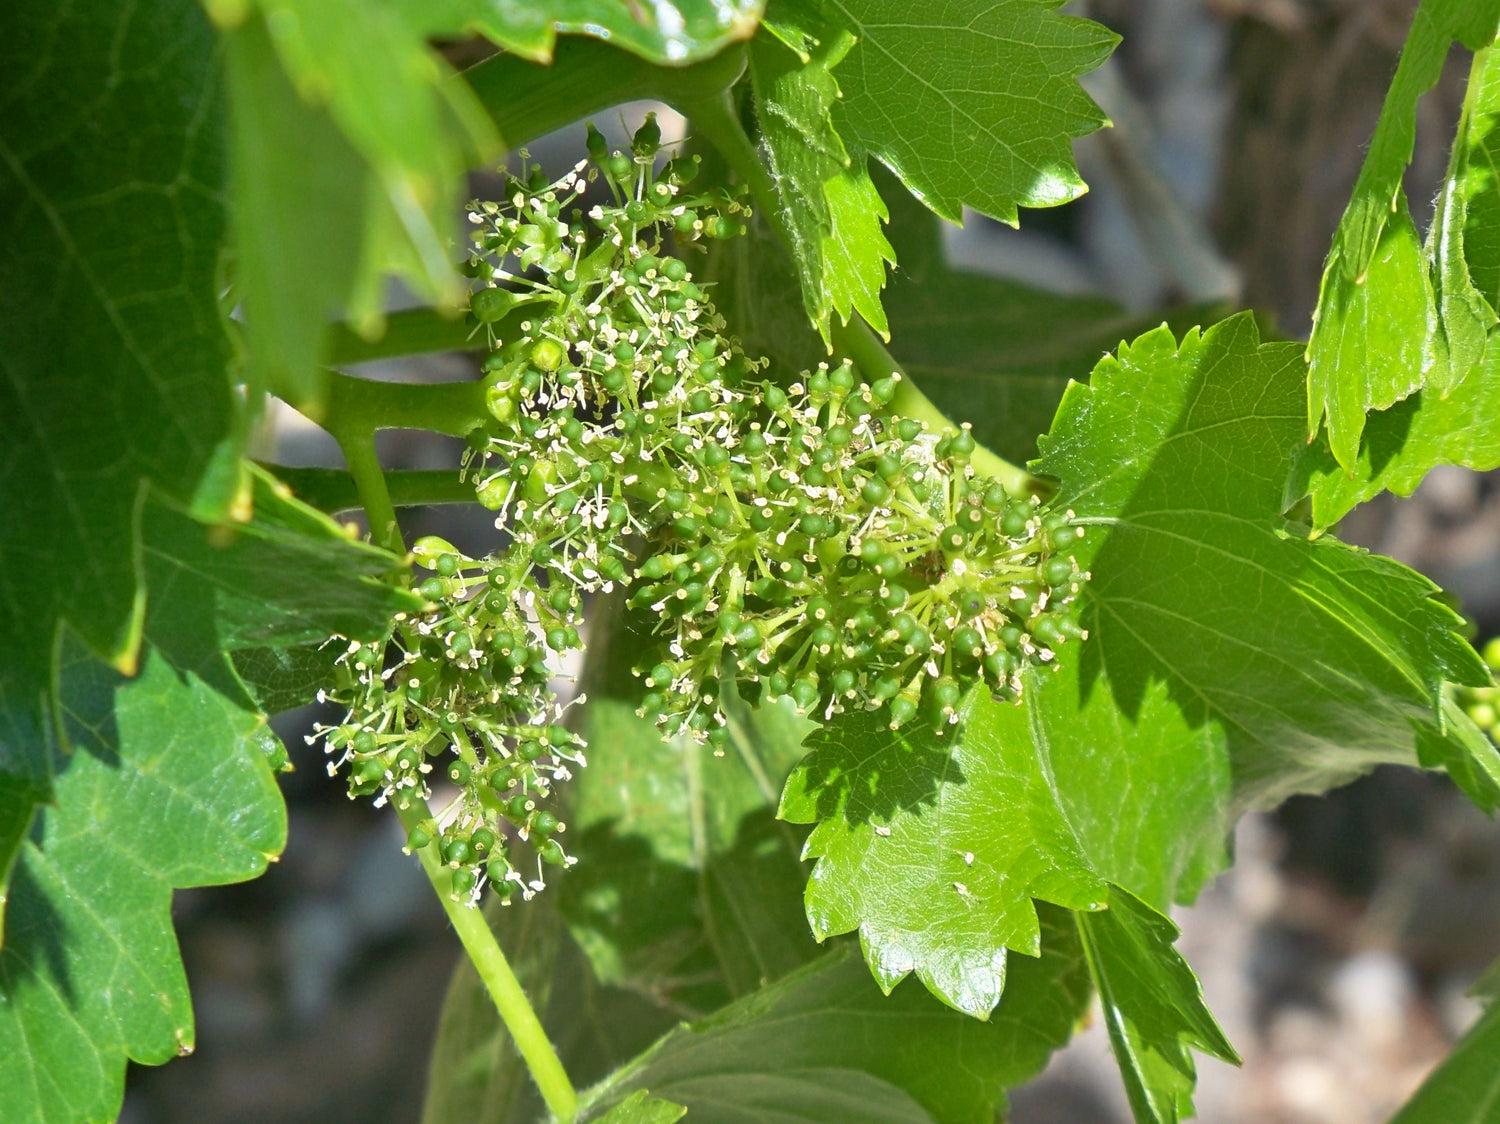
(351, 405)
(355, 404)
(369, 479)
(717, 119)
(333, 489)
(489, 961)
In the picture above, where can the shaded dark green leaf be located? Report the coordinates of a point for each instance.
(112, 357)
(287, 577)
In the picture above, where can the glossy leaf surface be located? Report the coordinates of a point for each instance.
(1153, 1006)
(1452, 419)
(829, 205)
(673, 32)
(994, 82)
(1371, 346)
(1313, 660)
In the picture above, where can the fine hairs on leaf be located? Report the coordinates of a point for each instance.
(801, 665)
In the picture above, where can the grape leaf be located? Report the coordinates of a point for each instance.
(642, 1108)
(970, 104)
(1192, 703)
(300, 196)
(112, 360)
(954, 1067)
(350, 140)
(645, 926)
(1466, 754)
(167, 787)
(932, 844)
(348, 164)
(289, 576)
(1153, 1006)
(828, 204)
(1371, 345)
(282, 679)
(683, 875)
(1314, 660)
(1465, 1089)
(1437, 425)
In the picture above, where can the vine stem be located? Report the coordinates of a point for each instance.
(500, 981)
(369, 479)
(355, 434)
(718, 120)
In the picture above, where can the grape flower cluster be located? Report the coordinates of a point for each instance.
(795, 536)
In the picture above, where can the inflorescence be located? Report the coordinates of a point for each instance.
(795, 536)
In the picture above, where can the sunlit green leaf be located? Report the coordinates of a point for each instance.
(1230, 663)
(166, 787)
(970, 104)
(829, 206)
(1153, 1006)
(1314, 660)
(1371, 345)
(1451, 419)
(673, 32)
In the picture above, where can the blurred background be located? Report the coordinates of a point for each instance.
(1336, 953)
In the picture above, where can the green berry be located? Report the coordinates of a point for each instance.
(456, 851)
(482, 842)
(490, 305)
(968, 642)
